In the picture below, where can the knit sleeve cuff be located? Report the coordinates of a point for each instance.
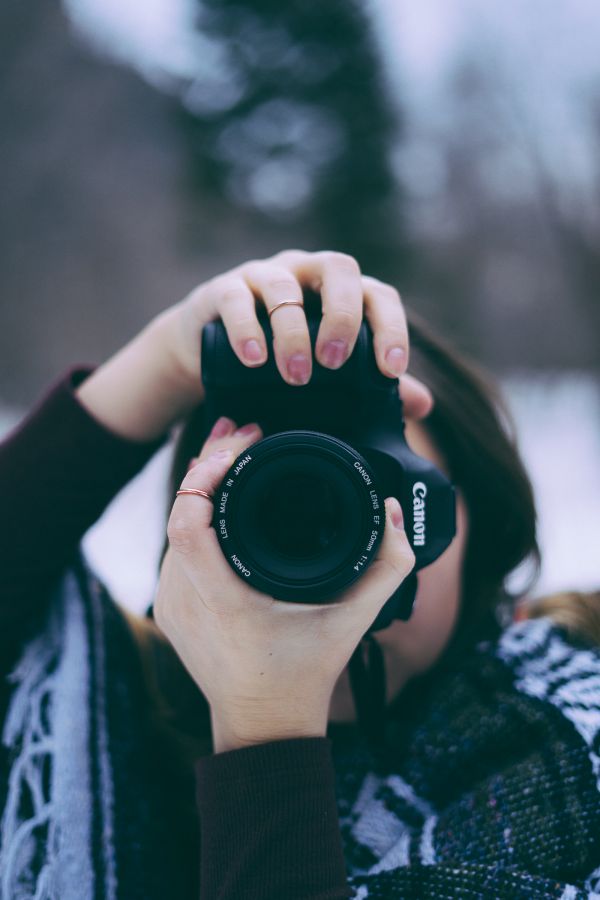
(62, 400)
(269, 822)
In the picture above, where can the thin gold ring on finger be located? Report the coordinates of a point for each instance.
(196, 491)
(285, 303)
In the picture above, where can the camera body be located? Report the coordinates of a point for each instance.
(300, 513)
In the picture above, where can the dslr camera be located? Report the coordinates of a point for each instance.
(300, 514)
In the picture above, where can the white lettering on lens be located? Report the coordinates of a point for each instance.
(419, 494)
(240, 565)
(243, 462)
(360, 469)
(372, 540)
(224, 497)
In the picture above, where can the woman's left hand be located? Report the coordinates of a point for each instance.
(266, 667)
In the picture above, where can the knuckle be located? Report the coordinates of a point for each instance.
(289, 254)
(398, 565)
(246, 325)
(342, 261)
(220, 283)
(406, 555)
(251, 264)
(295, 334)
(382, 288)
(396, 328)
(390, 293)
(389, 570)
(326, 256)
(345, 316)
(232, 294)
(392, 335)
(280, 284)
(181, 534)
(254, 269)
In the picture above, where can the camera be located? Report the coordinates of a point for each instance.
(300, 513)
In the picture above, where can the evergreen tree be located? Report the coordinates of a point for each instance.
(289, 116)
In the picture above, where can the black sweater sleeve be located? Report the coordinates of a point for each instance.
(268, 815)
(269, 823)
(59, 469)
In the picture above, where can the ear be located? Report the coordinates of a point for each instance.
(416, 397)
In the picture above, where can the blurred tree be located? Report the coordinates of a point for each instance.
(288, 116)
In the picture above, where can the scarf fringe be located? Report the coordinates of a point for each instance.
(44, 838)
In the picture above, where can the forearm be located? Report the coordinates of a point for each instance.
(269, 824)
(143, 389)
(264, 725)
(58, 471)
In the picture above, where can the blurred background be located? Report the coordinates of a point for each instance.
(451, 145)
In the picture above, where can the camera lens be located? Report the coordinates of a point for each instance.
(299, 515)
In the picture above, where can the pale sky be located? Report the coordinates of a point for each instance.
(542, 60)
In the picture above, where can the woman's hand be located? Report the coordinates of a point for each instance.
(266, 667)
(155, 379)
(343, 289)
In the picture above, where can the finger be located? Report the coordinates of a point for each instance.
(417, 399)
(291, 340)
(234, 302)
(192, 538)
(235, 440)
(395, 559)
(189, 528)
(385, 315)
(338, 277)
(191, 515)
(223, 427)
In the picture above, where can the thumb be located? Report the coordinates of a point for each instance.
(416, 397)
(395, 559)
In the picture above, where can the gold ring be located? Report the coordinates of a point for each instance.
(285, 303)
(196, 491)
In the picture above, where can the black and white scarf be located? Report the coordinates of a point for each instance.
(90, 803)
(490, 786)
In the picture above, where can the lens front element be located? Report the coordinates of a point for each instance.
(299, 516)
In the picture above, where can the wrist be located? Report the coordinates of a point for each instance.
(140, 391)
(180, 355)
(235, 733)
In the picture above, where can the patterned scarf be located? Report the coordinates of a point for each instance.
(91, 805)
(487, 787)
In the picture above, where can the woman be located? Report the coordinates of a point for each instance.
(486, 784)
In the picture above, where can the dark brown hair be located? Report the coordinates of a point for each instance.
(576, 612)
(473, 430)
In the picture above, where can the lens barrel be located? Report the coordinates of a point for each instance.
(299, 515)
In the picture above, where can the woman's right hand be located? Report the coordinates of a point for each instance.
(155, 380)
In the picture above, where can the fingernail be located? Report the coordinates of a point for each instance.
(247, 429)
(252, 350)
(396, 360)
(396, 514)
(221, 427)
(334, 353)
(299, 368)
(221, 454)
